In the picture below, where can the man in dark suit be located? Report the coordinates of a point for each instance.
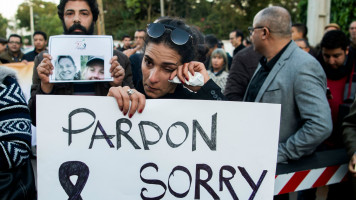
(349, 136)
(242, 69)
(236, 38)
(291, 77)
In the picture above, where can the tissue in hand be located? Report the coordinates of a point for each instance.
(196, 80)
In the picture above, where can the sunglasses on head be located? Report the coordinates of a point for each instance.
(178, 36)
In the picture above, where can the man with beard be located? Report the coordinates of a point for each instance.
(78, 17)
(338, 64)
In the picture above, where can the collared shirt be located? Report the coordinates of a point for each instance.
(261, 75)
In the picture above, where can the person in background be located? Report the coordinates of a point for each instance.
(126, 43)
(352, 31)
(304, 45)
(229, 58)
(13, 53)
(167, 55)
(212, 42)
(40, 42)
(138, 44)
(242, 69)
(328, 27)
(247, 42)
(3, 43)
(289, 76)
(218, 69)
(299, 31)
(349, 139)
(136, 55)
(331, 27)
(236, 38)
(339, 66)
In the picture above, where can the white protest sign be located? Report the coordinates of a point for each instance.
(187, 149)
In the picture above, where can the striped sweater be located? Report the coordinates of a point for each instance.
(15, 122)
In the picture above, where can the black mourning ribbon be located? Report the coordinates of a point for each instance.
(68, 169)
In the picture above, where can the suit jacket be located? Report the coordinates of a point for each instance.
(242, 69)
(349, 130)
(298, 83)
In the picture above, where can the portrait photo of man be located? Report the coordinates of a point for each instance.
(65, 69)
(93, 68)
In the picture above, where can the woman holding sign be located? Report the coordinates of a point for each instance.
(168, 68)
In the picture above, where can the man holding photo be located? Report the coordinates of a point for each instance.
(78, 17)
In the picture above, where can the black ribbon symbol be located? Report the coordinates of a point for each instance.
(68, 169)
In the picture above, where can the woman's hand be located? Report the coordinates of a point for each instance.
(182, 73)
(125, 96)
(44, 70)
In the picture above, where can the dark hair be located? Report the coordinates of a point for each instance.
(201, 47)
(248, 40)
(125, 36)
(303, 40)
(301, 28)
(220, 44)
(211, 41)
(92, 4)
(335, 39)
(15, 35)
(188, 50)
(40, 33)
(140, 30)
(239, 33)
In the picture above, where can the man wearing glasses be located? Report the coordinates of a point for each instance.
(289, 76)
(13, 52)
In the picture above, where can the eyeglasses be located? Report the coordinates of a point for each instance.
(251, 29)
(178, 36)
(13, 42)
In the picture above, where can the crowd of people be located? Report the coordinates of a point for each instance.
(315, 86)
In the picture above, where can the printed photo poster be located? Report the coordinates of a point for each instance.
(176, 149)
(81, 58)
